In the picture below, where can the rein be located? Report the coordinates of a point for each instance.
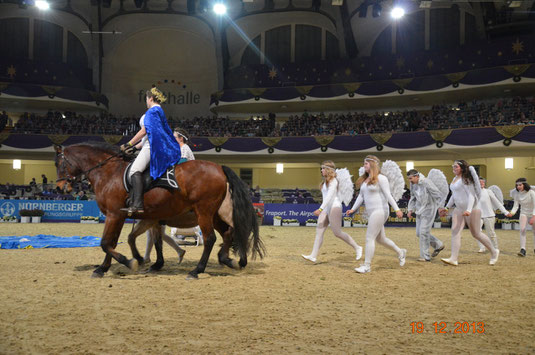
(83, 175)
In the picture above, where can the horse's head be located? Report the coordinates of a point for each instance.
(66, 171)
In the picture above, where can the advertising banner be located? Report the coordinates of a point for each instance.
(55, 211)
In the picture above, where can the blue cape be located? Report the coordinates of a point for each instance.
(164, 149)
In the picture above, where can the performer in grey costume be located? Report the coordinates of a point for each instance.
(425, 200)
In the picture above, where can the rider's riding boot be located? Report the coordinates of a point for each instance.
(137, 186)
(136, 205)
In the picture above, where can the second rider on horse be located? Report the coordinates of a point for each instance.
(158, 147)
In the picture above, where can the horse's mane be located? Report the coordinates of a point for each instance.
(103, 147)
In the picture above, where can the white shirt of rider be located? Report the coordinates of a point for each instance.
(145, 140)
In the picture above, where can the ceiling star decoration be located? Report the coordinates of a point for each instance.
(272, 73)
(11, 71)
(518, 46)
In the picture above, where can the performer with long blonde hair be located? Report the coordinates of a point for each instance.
(465, 193)
(330, 212)
(375, 194)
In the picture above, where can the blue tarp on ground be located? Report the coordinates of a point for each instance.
(48, 241)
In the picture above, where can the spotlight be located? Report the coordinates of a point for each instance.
(397, 13)
(42, 5)
(220, 9)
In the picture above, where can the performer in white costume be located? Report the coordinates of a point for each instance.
(465, 192)
(337, 187)
(525, 198)
(491, 199)
(375, 194)
(425, 200)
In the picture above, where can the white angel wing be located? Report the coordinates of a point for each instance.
(438, 178)
(497, 192)
(361, 171)
(345, 186)
(513, 193)
(391, 170)
(477, 185)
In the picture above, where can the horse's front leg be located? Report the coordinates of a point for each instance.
(207, 228)
(103, 268)
(139, 228)
(110, 236)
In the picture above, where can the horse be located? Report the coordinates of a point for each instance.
(206, 192)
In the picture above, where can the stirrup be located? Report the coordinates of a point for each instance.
(131, 210)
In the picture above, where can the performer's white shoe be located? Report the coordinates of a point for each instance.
(359, 252)
(495, 259)
(309, 258)
(362, 269)
(450, 262)
(402, 257)
(481, 250)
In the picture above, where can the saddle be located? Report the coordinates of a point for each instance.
(166, 181)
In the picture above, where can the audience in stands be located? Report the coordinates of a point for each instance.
(33, 191)
(465, 115)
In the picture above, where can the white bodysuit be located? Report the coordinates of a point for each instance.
(376, 198)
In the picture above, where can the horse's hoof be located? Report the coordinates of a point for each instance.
(97, 275)
(192, 277)
(234, 264)
(133, 265)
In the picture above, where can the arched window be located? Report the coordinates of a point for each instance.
(410, 33)
(332, 47)
(14, 38)
(278, 45)
(47, 41)
(251, 55)
(470, 29)
(307, 43)
(383, 43)
(444, 28)
(76, 54)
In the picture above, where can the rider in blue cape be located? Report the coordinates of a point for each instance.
(158, 147)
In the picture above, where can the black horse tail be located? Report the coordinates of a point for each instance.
(246, 235)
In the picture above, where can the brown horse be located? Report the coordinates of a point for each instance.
(204, 187)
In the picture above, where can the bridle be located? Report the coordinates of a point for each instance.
(83, 175)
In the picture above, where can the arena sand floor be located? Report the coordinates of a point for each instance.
(281, 304)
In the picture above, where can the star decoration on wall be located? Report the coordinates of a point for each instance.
(400, 62)
(348, 71)
(11, 71)
(518, 46)
(272, 73)
(430, 64)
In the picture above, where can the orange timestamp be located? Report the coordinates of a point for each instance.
(458, 328)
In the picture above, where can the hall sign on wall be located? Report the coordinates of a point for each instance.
(187, 98)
